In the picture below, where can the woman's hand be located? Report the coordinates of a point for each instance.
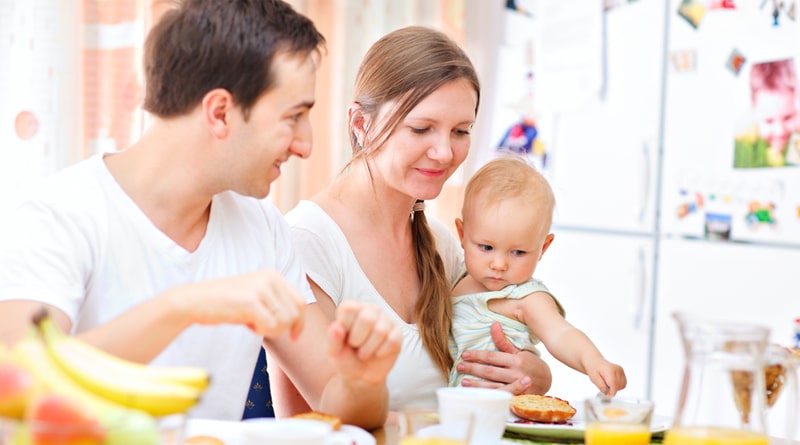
(512, 369)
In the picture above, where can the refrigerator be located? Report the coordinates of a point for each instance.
(729, 226)
(652, 215)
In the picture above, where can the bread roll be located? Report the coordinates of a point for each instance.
(545, 409)
(333, 421)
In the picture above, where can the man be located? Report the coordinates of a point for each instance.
(167, 251)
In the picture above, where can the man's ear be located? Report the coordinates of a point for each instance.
(547, 242)
(216, 107)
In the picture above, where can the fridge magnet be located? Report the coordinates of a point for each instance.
(774, 116)
(524, 7)
(778, 7)
(735, 61)
(521, 139)
(759, 213)
(721, 4)
(684, 60)
(717, 226)
(692, 11)
(690, 205)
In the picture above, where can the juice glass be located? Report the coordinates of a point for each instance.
(422, 427)
(698, 435)
(617, 421)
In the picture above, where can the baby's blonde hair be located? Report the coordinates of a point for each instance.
(509, 177)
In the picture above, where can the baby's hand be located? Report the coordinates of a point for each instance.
(608, 377)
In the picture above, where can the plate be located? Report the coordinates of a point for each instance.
(231, 432)
(573, 429)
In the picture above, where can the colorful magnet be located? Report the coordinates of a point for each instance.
(692, 11)
(684, 60)
(735, 61)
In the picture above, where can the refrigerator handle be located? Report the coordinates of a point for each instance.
(639, 293)
(645, 181)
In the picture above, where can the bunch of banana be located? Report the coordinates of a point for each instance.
(155, 390)
(109, 422)
(84, 395)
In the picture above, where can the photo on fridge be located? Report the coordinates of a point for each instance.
(770, 135)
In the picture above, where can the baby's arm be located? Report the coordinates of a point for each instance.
(569, 344)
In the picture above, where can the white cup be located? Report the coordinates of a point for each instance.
(269, 431)
(487, 407)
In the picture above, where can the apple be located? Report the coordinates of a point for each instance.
(17, 387)
(54, 419)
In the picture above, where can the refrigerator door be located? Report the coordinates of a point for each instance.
(709, 106)
(610, 301)
(605, 153)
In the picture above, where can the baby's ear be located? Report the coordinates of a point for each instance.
(547, 241)
(460, 229)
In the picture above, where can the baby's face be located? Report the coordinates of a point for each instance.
(777, 117)
(503, 242)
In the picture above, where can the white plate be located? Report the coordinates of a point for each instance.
(231, 432)
(571, 430)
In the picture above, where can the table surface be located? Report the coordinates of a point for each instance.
(390, 435)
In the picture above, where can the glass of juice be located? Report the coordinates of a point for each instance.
(699, 435)
(612, 421)
(422, 427)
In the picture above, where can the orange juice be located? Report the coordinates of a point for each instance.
(699, 435)
(617, 433)
(411, 440)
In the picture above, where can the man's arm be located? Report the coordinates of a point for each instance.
(340, 368)
(263, 301)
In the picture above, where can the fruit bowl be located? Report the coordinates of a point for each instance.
(14, 432)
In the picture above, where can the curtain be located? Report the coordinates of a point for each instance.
(80, 91)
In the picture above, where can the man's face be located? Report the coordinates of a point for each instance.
(278, 126)
(777, 116)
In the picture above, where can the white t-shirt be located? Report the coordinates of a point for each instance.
(332, 265)
(82, 245)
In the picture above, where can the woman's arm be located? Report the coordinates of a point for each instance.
(512, 369)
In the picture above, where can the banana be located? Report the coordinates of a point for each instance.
(90, 356)
(126, 383)
(123, 426)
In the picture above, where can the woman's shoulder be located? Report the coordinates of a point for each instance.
(305, 213)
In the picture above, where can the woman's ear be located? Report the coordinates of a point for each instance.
(358, 124)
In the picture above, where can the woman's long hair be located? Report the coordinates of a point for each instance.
(406, 66)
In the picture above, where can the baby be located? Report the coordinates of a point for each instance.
(504, 231)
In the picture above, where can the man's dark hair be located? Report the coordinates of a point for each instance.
(206, 44)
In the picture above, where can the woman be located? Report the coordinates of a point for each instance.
(366, 237)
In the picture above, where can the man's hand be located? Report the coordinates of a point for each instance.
(363, 342)
(263, 301)
(511, 369)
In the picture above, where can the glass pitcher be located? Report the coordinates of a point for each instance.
(723, 396)
(781, 369)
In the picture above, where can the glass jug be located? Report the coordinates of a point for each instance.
(781, 368)
(722, 399)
